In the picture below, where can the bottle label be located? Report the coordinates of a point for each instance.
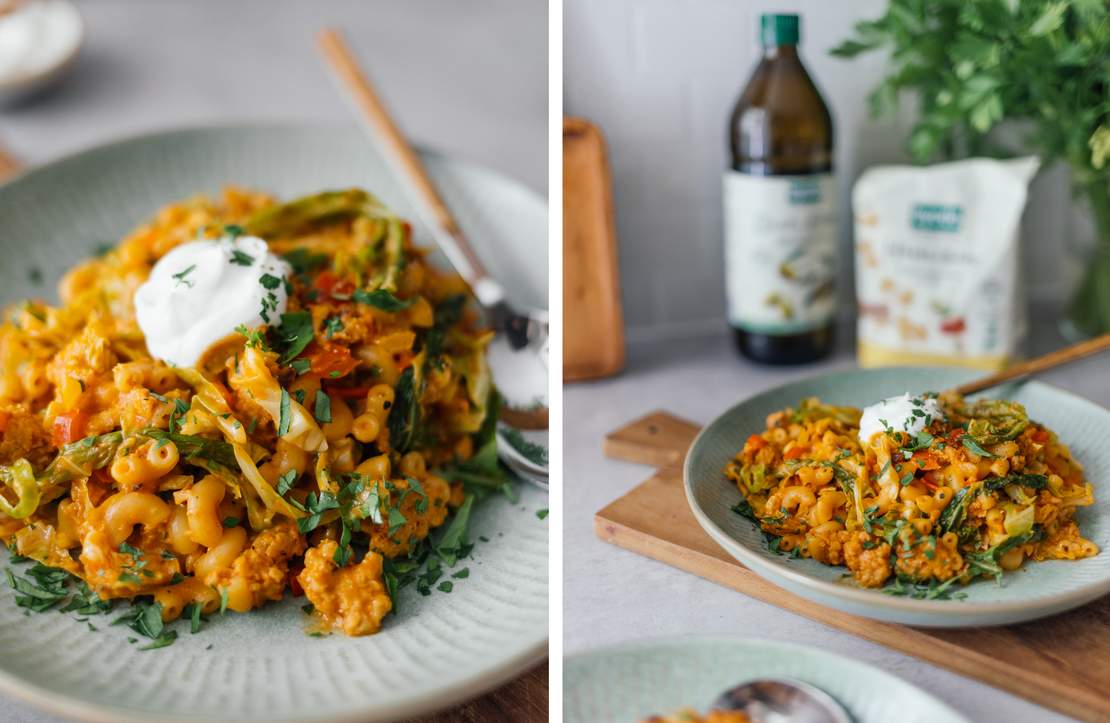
(780, 251)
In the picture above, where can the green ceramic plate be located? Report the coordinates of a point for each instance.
(437, 650)
(1037, 590)
(626, 684)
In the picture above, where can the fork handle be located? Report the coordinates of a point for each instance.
(9, 165)
(406, 164)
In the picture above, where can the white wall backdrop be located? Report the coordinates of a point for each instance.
(660, 78)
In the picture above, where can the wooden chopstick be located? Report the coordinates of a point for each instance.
(9, 165)
(407, 162)
(1039, 364)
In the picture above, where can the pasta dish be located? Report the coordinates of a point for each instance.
(244, 398)
(914, 493)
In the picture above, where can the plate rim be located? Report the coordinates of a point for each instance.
(261, 124)
(632, 646)
(75, 708)
(1041, 606)
(464, 689)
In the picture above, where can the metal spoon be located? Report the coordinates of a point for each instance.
(782, 700)
(524, 467)
(520, 465)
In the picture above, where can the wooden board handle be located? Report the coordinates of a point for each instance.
(659, 439)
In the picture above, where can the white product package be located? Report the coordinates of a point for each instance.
(938, 262)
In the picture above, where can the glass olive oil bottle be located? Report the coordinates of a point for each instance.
(780, 208)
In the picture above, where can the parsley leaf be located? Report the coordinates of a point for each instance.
(533, 452)
(302, 260)
(381, 299)
(285, 413)
(323, 407)
(316, 506)
(240, 258)
(180, 276)
(332, 326)
(286, 481)
(294, 334)
(269, 281)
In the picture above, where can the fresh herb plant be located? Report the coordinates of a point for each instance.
(975, 63)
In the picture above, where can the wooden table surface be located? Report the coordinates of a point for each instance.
(524, 700)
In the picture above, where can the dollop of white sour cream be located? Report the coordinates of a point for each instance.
(201, 291)
(900, 414)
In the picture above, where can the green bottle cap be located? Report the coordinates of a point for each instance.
(778, 29)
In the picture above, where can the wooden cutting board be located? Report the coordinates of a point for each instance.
(1062, 662)
(593, 337)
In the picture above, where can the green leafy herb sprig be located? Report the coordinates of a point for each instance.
(975, 63)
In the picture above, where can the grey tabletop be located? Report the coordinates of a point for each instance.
(467, 78)
(612, 595)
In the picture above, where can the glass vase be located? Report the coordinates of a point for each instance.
(1089, 312)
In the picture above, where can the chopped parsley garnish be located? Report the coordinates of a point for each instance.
(316, 505)
(344, 551)
(269, 281)
(234, 231)
(301, 366)
(332, 326)
(533, 452)
(302, 260)
(241, 258)
(254, 337)
(145, 618)
(381, 299)
(542, 514)
(286, 481)
(231, 521)
(194, 618)
(294, 334)
(323, 407)
(285, 413)
(180, 409)
(396, 520)
(180, 276)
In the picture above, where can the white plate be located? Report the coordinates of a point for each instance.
(437, 650)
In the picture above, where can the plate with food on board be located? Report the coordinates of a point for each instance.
(882, 494)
